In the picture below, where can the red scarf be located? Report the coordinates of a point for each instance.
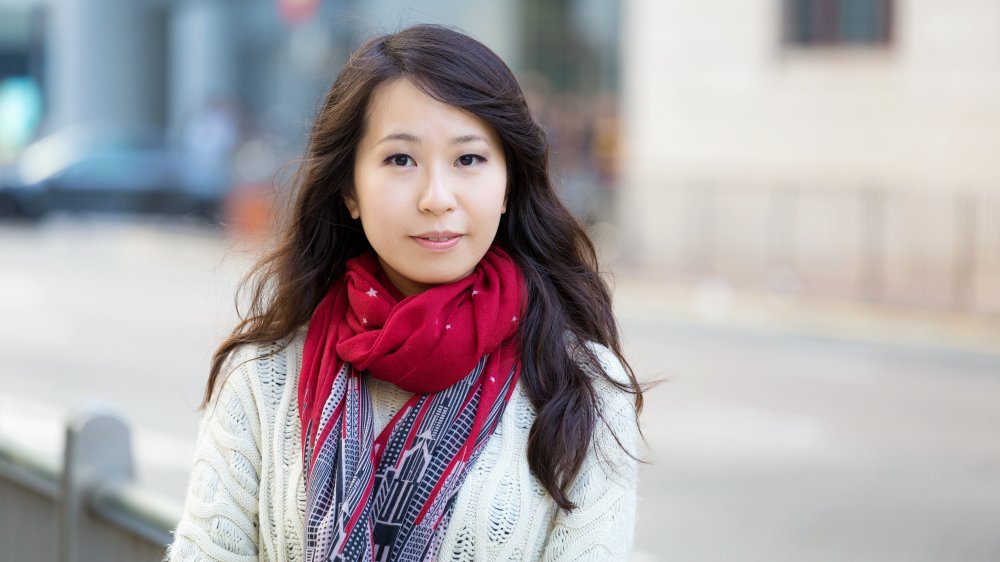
(454, 346)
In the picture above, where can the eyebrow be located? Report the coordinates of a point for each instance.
(407, 137)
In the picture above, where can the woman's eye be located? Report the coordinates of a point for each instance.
(399, 160)
(470, 159)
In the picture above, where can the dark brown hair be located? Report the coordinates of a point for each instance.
(568, 301)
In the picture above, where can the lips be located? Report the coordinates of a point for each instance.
(437, 240)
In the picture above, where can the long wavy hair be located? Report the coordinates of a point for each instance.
(568, 301)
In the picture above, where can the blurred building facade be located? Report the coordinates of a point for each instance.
(159, 62)
(239, 80)
(843, 147)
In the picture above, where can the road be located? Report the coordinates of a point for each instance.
(762, 446)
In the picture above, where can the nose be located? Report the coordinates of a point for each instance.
(437, 197)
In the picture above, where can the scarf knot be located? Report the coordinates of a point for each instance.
(427, 342)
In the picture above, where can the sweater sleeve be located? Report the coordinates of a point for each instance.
(220, 520)
(602, 526)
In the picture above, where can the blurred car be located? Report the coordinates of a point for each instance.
(104, 169)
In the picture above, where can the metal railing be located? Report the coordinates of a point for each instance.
(85, 507)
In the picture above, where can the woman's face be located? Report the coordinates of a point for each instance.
(430, 184)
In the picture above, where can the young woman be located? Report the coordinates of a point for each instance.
(430, 369)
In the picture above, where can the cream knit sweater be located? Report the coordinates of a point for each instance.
(246, 497)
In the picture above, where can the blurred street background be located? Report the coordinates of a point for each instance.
(799, 201)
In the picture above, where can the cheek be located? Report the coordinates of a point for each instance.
(497, 200)
(374, 202)
(378, 218)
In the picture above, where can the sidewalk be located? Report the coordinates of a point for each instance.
(715, 304)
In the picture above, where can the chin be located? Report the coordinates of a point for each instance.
(440, 277)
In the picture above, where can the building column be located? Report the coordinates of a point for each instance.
(202, 61)
(105, 63)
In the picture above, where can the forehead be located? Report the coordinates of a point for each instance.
(398, 106)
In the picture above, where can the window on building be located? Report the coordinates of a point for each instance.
(838, 22)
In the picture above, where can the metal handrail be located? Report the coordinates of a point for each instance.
(137, 509)
(29, 469)
(94, 481)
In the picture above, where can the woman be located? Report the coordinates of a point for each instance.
(430, 368)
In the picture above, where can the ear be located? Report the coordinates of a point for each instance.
(503, 208)
(352, 206)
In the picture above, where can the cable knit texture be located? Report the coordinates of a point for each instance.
(246, 497)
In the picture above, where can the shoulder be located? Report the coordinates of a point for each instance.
(264, 369)
(616, 437)
(257, 385)
(610, 363)
(607, 383)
